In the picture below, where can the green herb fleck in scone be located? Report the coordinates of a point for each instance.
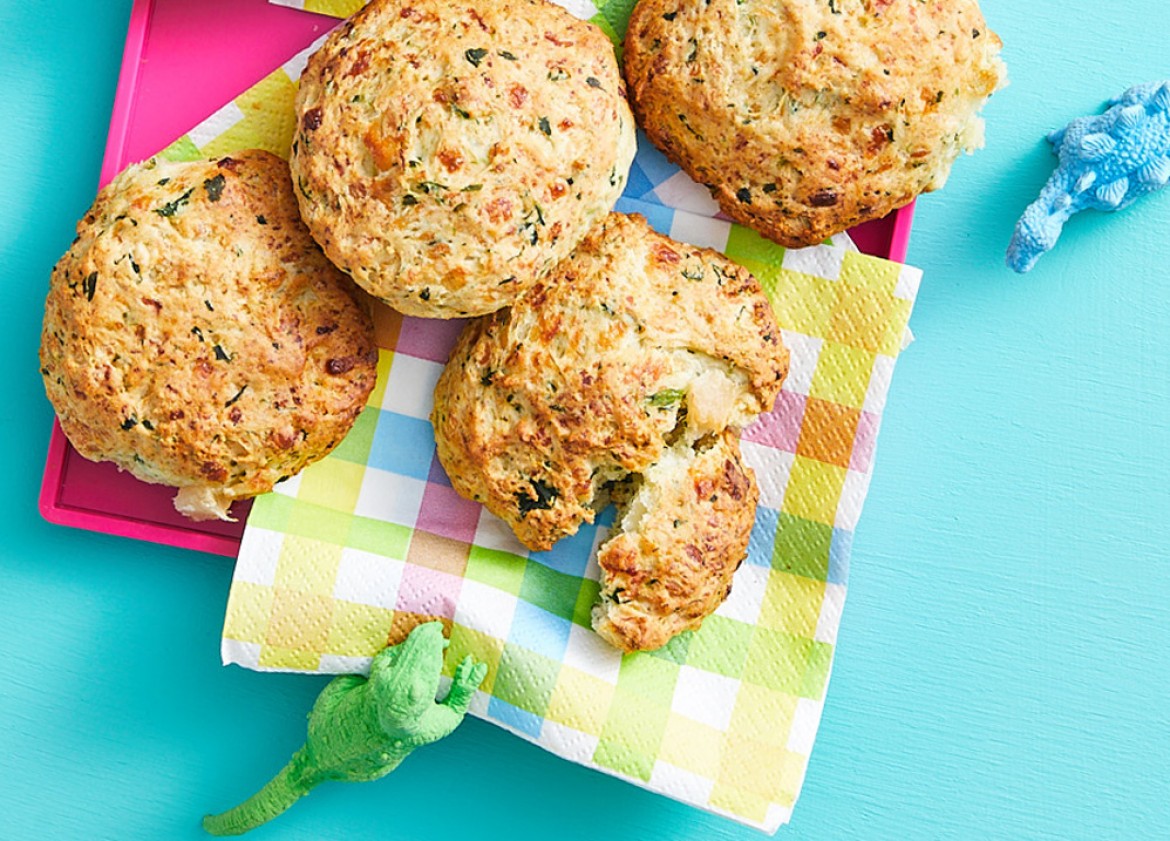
(196, 336)
(449, 154)
(806, 118)
(624, 376)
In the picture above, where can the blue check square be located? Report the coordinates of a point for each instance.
(538, 630)
(403, 445)
(763, 537)
(570, 555)
(515, 718)
(839, 550)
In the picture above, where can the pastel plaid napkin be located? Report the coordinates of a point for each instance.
(367, 543)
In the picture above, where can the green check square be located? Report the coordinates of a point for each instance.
(497, 568)
(632, 735)
(356, 445)
(183, 149)
(744, 244)
(674, 651)
(271, 511)
(816, 671)
(586, 598)
(389, 540)
(547, 588)
(320, 523)
(778, 660)
(526, 679)
(768, 274)
(802, 547)
(720, 646)
(650, 678)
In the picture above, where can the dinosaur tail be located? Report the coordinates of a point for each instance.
(1040, 226)
(282, 791)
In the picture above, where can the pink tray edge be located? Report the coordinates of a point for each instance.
(900, 239)
(124, 96)
(59, 514)
(191, 536)
(49, 502)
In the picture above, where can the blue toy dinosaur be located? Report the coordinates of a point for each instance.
(1107, 162)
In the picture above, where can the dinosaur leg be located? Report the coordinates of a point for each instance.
(443, 717)
(434, 724)
(468, 676)
(286, 788)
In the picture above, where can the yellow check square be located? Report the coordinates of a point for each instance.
(269, 119)
(307, 565)
(300, 621)
(248, 609)
(868, 272)
(580, 700)
(332, 483)
(762, 717)
(691, 745)
(358, 630)
(289, 659)
(842, 374)
(802, 302)
(792, 603)
(861, 317)
(813, 490)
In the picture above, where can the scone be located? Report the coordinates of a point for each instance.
(625, 375)
(804, 119)
(196, 336)
(449, 154)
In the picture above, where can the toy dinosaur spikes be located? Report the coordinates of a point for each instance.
(360, 728)
(1130, 116)
(1107, 162)
(1160, 101)
(1111, 195)
(1156, 172)
(1094, 147)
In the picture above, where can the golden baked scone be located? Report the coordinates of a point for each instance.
(624, 375)
(804, 119)
(196, 336)
(448, 154)
(681, 537)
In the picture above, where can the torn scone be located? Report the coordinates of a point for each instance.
(625, 376)
(196, 336)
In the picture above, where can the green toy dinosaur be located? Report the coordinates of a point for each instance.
(360, 729)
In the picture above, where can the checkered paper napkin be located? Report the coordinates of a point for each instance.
(372, 540)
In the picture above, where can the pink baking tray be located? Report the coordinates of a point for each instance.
(182, 61)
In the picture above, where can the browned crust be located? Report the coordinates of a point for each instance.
(195, 335)
(449, 154)
(541, 404)
(672, 571)
(805, 119)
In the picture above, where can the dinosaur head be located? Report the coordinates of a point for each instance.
(405, 677)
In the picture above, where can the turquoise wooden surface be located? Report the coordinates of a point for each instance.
(1002, 668)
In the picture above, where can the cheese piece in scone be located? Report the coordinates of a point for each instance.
(625, 375)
